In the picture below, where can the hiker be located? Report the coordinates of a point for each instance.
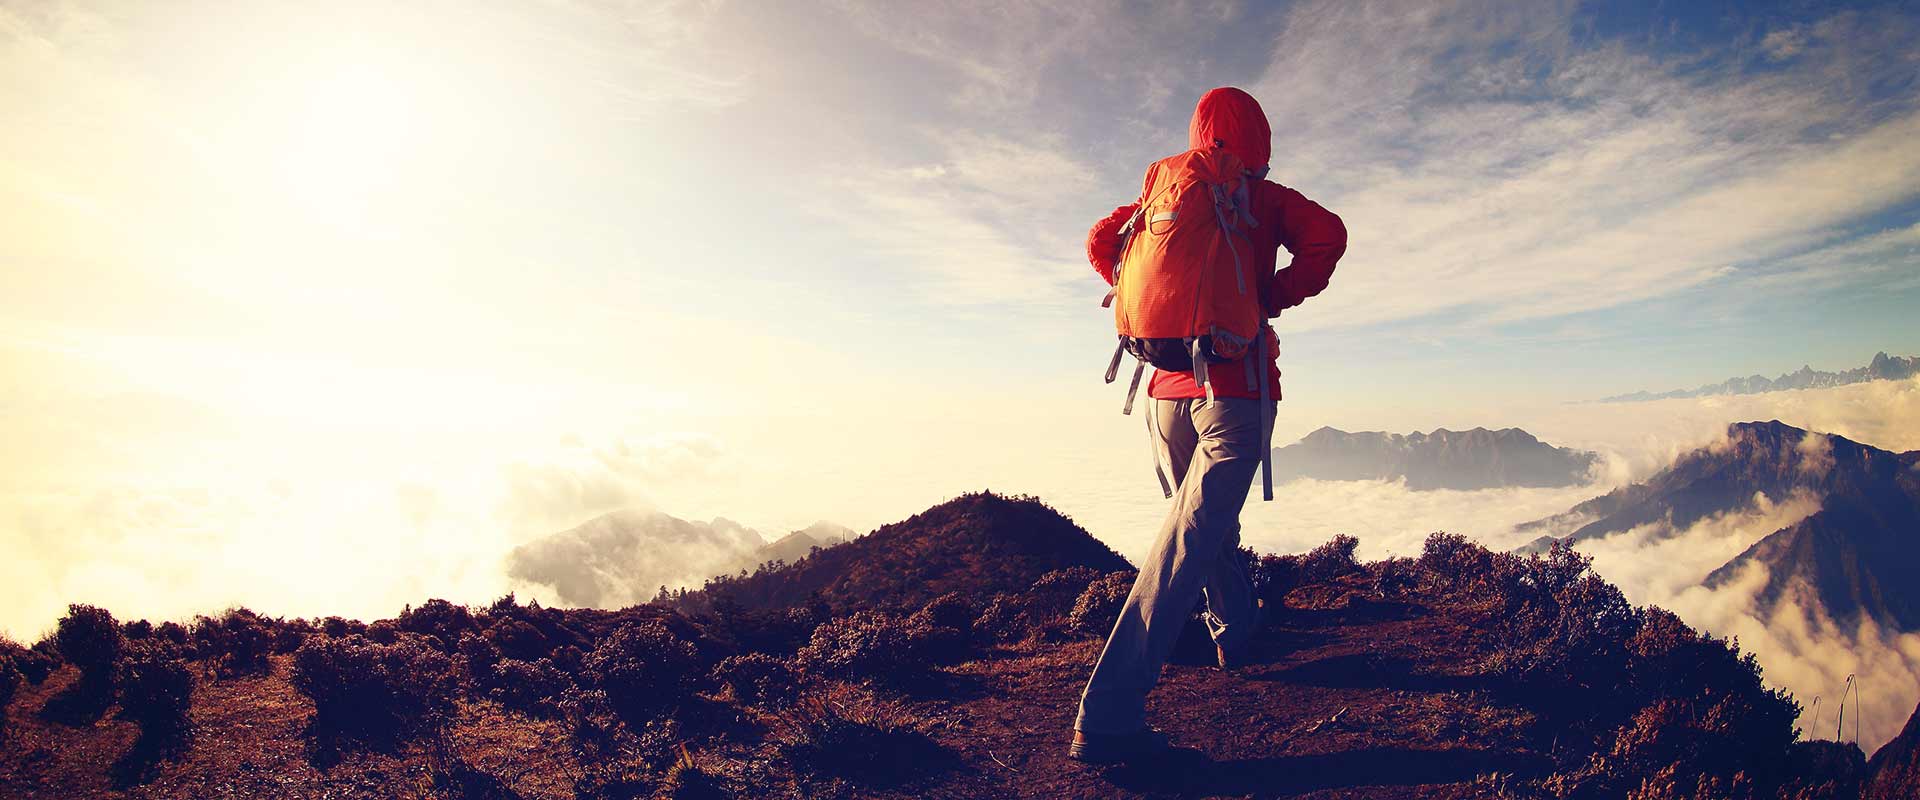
(1212, 397)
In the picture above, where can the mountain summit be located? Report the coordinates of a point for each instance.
(977, 544)
(1443, 459)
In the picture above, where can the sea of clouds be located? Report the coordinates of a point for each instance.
(338, 530)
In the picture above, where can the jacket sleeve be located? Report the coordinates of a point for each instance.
(1103, 242)
(1316, 238)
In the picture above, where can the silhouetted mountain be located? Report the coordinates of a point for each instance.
(1894, 771)
(1443, 459)
(1859, 552)
(978, 544)
(1883, 367)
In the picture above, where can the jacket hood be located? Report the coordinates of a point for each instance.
(1233, 118)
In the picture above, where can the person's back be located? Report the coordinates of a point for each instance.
(1206, 451)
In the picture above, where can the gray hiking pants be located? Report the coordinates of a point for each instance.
(1212, 451)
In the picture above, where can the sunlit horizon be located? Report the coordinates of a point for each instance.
(324, 310)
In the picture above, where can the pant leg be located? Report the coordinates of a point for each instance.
(1231, 611)
(1228, 590)
(1185, 555)
(1170, 424)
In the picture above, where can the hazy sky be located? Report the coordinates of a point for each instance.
(382, 290)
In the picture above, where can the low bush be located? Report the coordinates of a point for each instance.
(775, 631)
(870, 645)
(338, 627)
(10, 680)
(1098, 607)
(34, 664)
(530, 687)
(841, 733)
(1275, 576)
(289, 634)
(756, 678)
(173, 633)
(236, 643)
(518, 639)
(90, 640)
(941, 632)
(643, 667)
(383, 632)
(479, 655)
(436, 619)
(156, 689)
(1331, 560)
(373, 693)
(1675, 715)
(1395, 578)
(1040, 611)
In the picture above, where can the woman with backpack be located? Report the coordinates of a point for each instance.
(1192, 264)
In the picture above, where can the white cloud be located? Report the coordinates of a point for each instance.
(1484, 161)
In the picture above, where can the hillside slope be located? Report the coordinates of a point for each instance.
(1857, 553)
(977, 543)
(1462, 674)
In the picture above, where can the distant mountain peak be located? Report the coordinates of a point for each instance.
(1476, 458)
(979, 542)
(1882, 367)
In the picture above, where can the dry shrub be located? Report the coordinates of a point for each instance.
(480, 656)
(1275, 576)
(866, 645)
(10, 678)
(438, 620)
(531, 687)
(1098, 607)
(90, 640)
(155, 688)
(846, 734)
(519, 639)
(1039, 611)
(235, 644)
(941, 632)
(644, 668)
(757, 678)
(1673, 714)
(35, 663)
(173, 633)
(340, 627)
(371, 693)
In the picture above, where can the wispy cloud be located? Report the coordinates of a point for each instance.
(1510, 164)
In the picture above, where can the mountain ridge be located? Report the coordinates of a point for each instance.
(1477, 458)
(1882, 367)
(1855, 553)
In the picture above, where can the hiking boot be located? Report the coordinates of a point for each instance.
(1109, 748)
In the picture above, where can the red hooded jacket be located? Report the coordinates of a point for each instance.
(1232, 119)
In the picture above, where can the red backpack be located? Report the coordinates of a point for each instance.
(1185, 295)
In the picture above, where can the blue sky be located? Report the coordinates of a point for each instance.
(441, 277)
